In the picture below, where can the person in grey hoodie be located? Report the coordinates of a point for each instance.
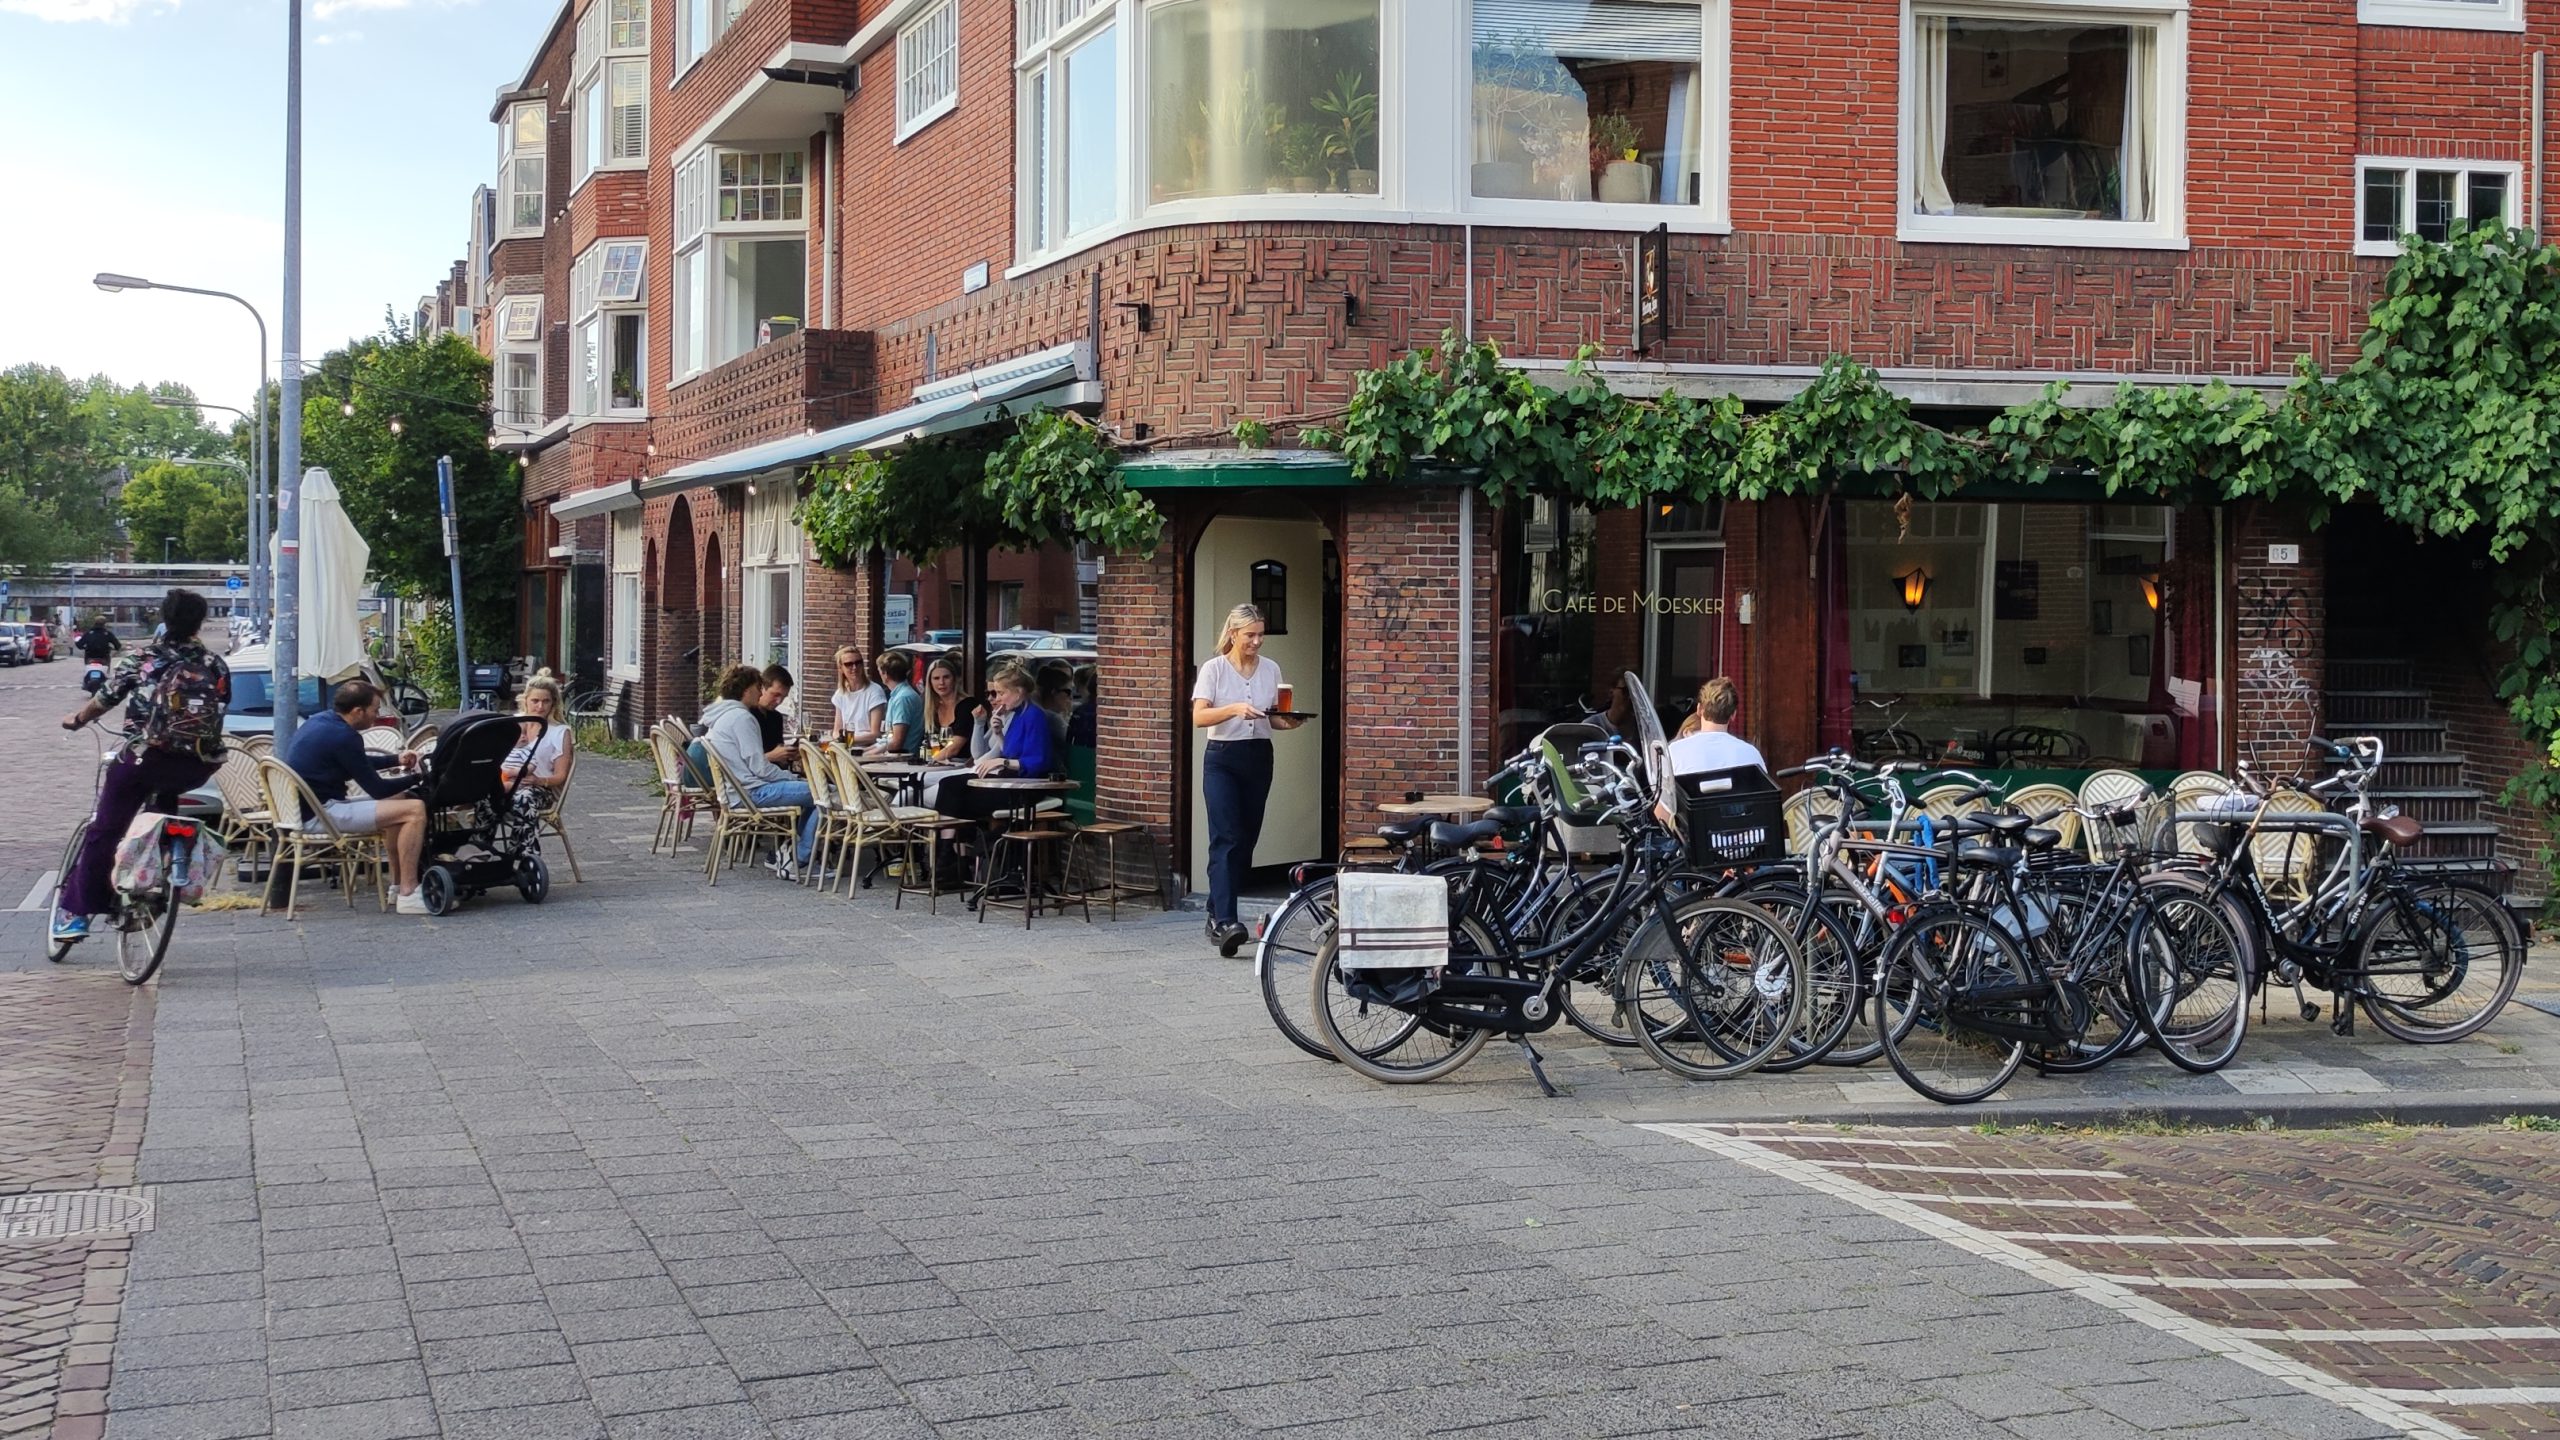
(730, 731)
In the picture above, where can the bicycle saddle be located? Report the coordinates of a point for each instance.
(2005, 826)
(2395, 830)
(1512, 817)
(1403, 831)
(1454, 837)
(1990, 857)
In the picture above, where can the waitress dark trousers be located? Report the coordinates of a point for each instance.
(1236, 779)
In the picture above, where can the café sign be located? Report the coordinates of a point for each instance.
(1639, 602)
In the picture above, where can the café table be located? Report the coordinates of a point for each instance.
(1455, 808)
(1016, 799)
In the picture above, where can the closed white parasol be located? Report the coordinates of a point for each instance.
(334, 558)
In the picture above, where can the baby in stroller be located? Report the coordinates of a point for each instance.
(478, 834)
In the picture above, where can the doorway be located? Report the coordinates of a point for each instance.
(1684, 634)
(1275, 556)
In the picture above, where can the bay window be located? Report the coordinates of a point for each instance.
(611, 96)
(1070, 111)
(742, 260)
(2061, 128)
(518, 378)
(1586, 100)
(607, 348)
(2425, 197)
(521, 151)
(1262, 97)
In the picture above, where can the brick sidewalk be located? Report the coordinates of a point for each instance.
(75, 1064)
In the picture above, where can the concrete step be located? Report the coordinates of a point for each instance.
(2420, 772)
(2359, 707)
(2461, 840)
(2380, 674)
(2397, 736)
(2445, 804)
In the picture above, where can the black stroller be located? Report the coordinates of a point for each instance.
(478, 838)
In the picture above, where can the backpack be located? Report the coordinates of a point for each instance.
(188, 696)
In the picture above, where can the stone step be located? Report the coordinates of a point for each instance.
(2433, 804)
(2359, 673)
(2358, 707)
(2420, 772)
(2460, 840)
(2416, 736)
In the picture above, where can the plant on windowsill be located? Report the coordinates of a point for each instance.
(1352, 137)
(1619, 176)
(1238, 130)
(1302, 155)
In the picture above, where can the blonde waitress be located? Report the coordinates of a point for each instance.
(1233, 700)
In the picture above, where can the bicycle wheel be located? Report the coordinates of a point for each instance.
(2438, 961)
(1590, 997)
(57, 950)
(1388, 1045)
(2188, 972)
(2108, 1025)
(1934, 960)
(1284, 961)
(143, 929)
(1715, 993)
(1831, 973)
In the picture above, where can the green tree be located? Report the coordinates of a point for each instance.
(437, 393)
(53, 480)
(206, 510)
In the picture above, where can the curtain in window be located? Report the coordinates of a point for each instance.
(1929, 115)
(2136, 161)
(1595, 29)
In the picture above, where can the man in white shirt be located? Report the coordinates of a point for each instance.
(1705, 745)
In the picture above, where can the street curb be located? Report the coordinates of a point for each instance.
(2308, 1112)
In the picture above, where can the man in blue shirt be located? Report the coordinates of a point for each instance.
(328, 752)
(902, 725)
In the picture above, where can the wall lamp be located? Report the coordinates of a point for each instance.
(1915, 588)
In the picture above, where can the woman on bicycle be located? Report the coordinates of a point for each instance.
(173, 743)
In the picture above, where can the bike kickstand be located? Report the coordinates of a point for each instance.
(1529, 1052)
(2342, 1021)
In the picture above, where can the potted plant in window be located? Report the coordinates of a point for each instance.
(1240, 129)
(1623, 179)
(1352, 140)
(1301, 150)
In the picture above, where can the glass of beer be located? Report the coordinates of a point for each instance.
(1288, 698)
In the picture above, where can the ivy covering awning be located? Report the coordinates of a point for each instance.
(1236, 470)
(1050, 379)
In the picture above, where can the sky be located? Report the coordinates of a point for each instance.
(152, 144)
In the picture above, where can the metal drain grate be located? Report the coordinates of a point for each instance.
(74, 1215)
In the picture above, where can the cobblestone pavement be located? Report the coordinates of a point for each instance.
(656, 1159)
(2413, 1274)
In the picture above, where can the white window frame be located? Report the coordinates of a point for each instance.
(510, 151)
(928, 67)
(2463, 170)
(699, 26)
(774, 546)
(522, 420)
(699, 311)
(597, 306)
(623, 596)
(2443, 14)
(1044, 52)
(612, 81)
(2166, 230)
(1715, 90)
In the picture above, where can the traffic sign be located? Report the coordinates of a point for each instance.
(231, 582)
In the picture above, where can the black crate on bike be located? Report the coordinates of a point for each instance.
(1734, 817)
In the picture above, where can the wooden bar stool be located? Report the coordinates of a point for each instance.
(1037, 845)
(1099, 844)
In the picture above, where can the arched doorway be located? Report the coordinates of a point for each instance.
(1273, 552)
(678, 662)
(716, 653)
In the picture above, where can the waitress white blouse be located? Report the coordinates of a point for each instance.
(1221, 684)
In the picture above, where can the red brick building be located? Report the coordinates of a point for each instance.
(848, 224)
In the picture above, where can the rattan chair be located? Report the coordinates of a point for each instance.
(2108, 790)
(682, 795)
(2286, 858)
(826, 798)
(1807, 811)
(305, 835)
(2033, 800)
(247, 828)
(2187, 792)
(741, 821)
(876, 818)
(553, 818)
(385, 740)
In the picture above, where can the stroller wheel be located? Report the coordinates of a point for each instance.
(533, 879)
(438, 888)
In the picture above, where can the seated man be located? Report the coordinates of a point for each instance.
(770, 721)
(328, 752)
(731, 732)
(902, 723)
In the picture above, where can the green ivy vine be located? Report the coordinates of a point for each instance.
(2448, 420)
(1054, 478)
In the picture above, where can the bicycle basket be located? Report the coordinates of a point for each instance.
(1733, 817)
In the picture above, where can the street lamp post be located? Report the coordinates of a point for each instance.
(257, 553)
(260, 590)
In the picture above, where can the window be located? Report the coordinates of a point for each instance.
(627, 24)
(2425, 197)
(625, 595)
(1254, 97)
(520, 170)
(1589, 100)
(520, 320)
(1070, 108)
(612, 92)
(700, 23)
(2443, 14)
(770, 597)
(742, 262)
(2059, 130)
(1271, 595)
(928, 67)
(608, 348)
(520, 389)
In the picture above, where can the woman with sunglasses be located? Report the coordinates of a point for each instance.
(860, 699)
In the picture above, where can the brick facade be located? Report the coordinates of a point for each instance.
(2279, 639)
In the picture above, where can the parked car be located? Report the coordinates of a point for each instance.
(943, 639)
(1036, 656)
(39, 638)
(1086, 644)
(1003, 641)
(14, 649)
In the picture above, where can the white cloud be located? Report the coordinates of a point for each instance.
(112, 12)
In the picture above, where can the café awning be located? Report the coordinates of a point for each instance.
(602, 500)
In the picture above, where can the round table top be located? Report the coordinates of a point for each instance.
(1020, 782)
(1439, 805)
(887, 765)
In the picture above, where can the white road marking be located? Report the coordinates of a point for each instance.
(1964, 1169)
(2098, 1289)
(2071, 1237)
(41, 897)
(2437, 1335)
(1816, 1137)
(2182, 1282)
(2492, 1395)
(2004, 1200)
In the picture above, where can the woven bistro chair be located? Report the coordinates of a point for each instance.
(2107, 790)
(828, 800)
(875, 818)
(247, 827)
(1946, 804)
(553, 818)
(305, 835)
(2286, 860)
(742, 822)
(681, 794)
(385, 740)
(1807, 811)
(2032, 800)
(2187, 792)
